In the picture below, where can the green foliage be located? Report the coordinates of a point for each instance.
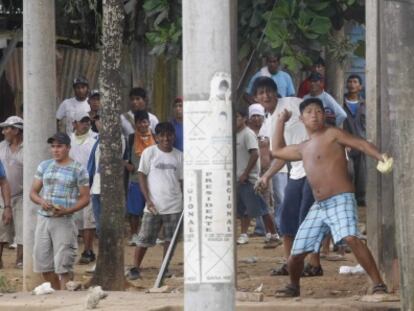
(298, 29)
(164, 30)
(342, 49)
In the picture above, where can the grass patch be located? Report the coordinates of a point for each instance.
(5, 286)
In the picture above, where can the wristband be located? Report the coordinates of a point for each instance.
(9, 206)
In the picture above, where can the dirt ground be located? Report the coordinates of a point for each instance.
(249, 275)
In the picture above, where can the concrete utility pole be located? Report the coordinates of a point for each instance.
(380, 190)
(396, 51)
(209, 270)
(39, 89)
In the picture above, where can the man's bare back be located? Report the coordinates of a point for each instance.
(325, 164)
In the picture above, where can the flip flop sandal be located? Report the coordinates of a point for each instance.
(335, 257)
(282, 270)
(380, 288)
(311, 271)
(289, 291)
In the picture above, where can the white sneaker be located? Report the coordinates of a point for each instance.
(268, 237)
(159, 241)
(133, 241)
(243, 239)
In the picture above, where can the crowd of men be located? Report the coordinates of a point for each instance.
(297, 172)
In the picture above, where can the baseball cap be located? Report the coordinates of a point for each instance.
(80, 80)
(80, 115)
(178, 99)
(14, 121)
(315, 76)
(61, 138)
(94, 92)
(256, 109)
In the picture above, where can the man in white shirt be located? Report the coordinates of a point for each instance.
(83, 140)
(265, 93)
(11, 154)
(137, 101)
(160, 175)
(70, 106)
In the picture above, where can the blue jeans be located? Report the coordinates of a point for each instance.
(96, 206)
(279, 181)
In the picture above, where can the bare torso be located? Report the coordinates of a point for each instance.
(325, 165)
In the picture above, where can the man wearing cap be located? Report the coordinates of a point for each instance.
(319, 67)
(334, 113)
(11, 155)
(255, 122)
(70, 106)
(61, 188)
(282, 79)
(83, 140)
(94, 101)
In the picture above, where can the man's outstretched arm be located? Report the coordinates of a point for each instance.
(348, 140)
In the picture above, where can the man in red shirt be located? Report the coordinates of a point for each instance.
(319, 67)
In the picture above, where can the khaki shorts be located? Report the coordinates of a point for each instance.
(85, 219)
(151, 225)
(55, 245)
(17, 205)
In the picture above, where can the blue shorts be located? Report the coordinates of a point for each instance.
(296, 204)
(336, 214)
(135, 200)
(250, 203)
(279, 182)
(96, 207)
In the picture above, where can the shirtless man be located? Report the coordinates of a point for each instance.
(323, 157)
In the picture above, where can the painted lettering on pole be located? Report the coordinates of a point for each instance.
(208, 199)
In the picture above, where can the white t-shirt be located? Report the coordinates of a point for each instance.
(68, 108)
(96, 185)
(269, 125)
(164, 172)
(295, 131)
(246, 140)
(80, 152)
(128, 128)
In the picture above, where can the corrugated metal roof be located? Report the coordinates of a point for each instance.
(70, 63)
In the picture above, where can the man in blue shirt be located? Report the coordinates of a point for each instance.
(355, 124)
(282, 79)
(177, 122)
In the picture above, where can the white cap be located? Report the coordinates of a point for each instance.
(79, 115)
(256, 109)
(14, 121)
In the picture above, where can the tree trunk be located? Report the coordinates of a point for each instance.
(334, 79)
(110, 264)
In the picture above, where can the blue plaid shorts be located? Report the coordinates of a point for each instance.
(336, 214)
